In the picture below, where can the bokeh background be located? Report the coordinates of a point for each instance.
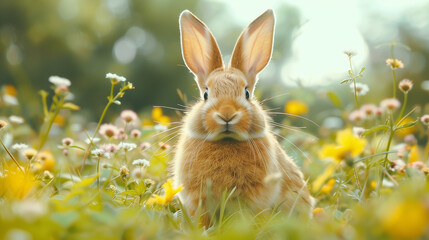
(83, 40)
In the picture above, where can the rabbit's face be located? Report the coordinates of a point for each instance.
(228, 109)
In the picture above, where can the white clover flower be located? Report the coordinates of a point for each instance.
(115, 78)
(160, 127)
(59, 81)
(11, 100)
(358, 131)
(94, 140)
(361, 88)
(16, 119)
(141, 162)
(129, 116)
(138, 173)
(19, 146)
(30, 209)
(390, 104)
(425, 119)
(99, 153)
(127, 146)
(357, 115)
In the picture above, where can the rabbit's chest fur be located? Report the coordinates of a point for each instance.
(226, 165)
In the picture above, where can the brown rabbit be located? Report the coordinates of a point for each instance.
(226, 137)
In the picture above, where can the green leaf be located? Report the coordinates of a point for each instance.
(130, 192)
(65, 219)
(86, 182)
(71, 106)
(141, 188)
(375, 129)
(335, 99)
(346, 80)
(407, 125)
(68, 176)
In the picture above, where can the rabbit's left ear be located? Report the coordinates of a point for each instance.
(253, 49)
(199, 48)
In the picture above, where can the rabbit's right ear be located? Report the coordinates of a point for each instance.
(199, 48)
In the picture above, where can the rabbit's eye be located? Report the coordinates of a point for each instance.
(247, 93)
(206, 95)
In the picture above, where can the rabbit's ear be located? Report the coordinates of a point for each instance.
(252, 52)
(199, 48)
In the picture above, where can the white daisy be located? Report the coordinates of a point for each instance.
(59, 81)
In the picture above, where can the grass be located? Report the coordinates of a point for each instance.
(110, 182)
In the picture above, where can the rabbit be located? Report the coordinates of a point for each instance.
(226, 138)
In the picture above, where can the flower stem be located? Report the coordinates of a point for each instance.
(111, 100)
(403, 106)
(354, 81)
(355, 92)
(11, 156)
(426, 153)
(394, 83)
(45, 135)
(386, 160)
(98, 173)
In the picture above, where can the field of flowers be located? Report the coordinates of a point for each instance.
(70, 179)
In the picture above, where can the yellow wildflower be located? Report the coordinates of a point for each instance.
(296, 107)
(169, 193)
(16, 184)
(3, 124)
(156, 113)
(164, 120)
(348, 145)
(10, 90)
(407, 220)
(394, 63)
(414, 155)
(373, 184)
(159, 117)
(406, 131)
(45, 161)
(320, 215)
(60, 121)
(327, 188)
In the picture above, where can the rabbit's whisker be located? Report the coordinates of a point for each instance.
(165, 131)
(179, 122)
(295, 129)
(172, 108)
(270, 98)
(293, 115)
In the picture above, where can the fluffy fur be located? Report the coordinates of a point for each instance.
(226, 139)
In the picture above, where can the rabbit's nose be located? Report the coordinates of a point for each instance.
(227, 118)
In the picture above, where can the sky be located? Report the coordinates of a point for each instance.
(332, 27)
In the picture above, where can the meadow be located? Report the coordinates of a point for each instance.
(74, 179)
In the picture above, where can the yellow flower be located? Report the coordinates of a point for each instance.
(394, 63)
(406, 131)
(45, 161)
(10, 90)
(414, 155)
(16, 184)
(296, 107)
(320, 215)
(60, 121)
(348, 145)
(156, 113)
(159, 118)
(169, 193)
(407, 220)
(327, 188)
(373, 184)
